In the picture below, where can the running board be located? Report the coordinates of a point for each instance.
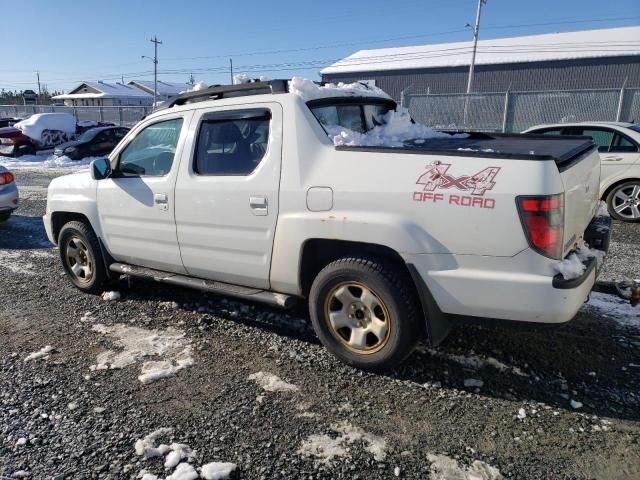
(257, 295)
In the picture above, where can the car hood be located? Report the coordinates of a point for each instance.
(9, 132)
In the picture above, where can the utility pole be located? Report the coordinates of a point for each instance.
(476, 30)
(231, 70)
(39, 91)
(155, 42)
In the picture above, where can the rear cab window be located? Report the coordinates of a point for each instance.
(359, 114)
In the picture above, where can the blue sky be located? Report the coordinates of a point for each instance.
(69, 41)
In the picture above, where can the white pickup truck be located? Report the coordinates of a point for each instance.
(239, 190)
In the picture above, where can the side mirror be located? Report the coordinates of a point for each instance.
(100, 168)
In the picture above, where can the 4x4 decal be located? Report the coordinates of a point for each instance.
(436, 176)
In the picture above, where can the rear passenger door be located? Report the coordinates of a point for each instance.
(226, 196)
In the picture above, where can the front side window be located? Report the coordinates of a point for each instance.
(232, 146)
(151, 152)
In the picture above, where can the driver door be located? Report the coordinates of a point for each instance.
(136, 203)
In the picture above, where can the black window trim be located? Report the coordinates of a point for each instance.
(218, 116)
(115, 170)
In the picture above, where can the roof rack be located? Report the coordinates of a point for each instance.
(217, 92)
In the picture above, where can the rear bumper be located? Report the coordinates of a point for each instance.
(522, 288)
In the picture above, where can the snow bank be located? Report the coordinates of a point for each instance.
(217, 470)
(272, 383)
(45, 161)
(38, 123)
(308, 90)
(572, 266)
(396, 129)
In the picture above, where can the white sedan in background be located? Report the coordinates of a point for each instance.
(619, 147)
(8, 194)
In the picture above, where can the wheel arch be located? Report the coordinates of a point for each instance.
(59, 219)
(608, 190)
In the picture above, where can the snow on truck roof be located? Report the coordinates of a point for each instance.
(531, 48)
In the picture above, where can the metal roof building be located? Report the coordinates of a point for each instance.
(589, 59)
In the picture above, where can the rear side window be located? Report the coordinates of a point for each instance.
(151, 152)
(601, 137)
(355, 117)
(622, 144)
(232, 143)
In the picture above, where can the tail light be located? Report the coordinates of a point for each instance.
(543, 222)
(6, 178)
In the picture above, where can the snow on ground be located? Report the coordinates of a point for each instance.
(613, 307)
(135, 344)
(44, 352)
(110, 296)
(308, 90)
(21, 261)
(474, 362)
(444, 467)
(45, 161)
(272, 383)
(326, 448)
(217, 470)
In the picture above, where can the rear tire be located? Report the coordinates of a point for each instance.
(4, 217)
(81, 257)
(364, 311)
(623, 202)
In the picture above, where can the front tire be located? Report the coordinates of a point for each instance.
(364, 311)
(623, 202)
(81, 257)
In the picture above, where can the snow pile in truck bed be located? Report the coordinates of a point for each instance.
(36, 124)
(308, 90)
(396, 129)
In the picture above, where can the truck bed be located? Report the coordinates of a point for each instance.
(562, 149)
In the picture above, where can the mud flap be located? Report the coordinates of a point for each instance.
(437, 324)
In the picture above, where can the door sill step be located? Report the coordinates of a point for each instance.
(247, 293)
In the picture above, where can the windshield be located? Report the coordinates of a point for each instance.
(357, 116)
(88, 135)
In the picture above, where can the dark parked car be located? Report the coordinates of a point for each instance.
(8, 121)
(92, 143)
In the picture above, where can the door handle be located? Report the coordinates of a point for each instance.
(613, 159)
(258, 205)
(161, 198)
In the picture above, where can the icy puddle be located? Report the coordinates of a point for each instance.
(163, 353)
(22, 261)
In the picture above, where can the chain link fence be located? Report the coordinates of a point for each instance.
(122, 116)
(517, 111)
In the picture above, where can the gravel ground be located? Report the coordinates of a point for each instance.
(261, 393)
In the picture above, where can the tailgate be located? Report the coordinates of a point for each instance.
(581, 179)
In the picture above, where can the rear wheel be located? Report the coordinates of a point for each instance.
(624, 202)
(81, 257)
(364, 311)
(4, 216)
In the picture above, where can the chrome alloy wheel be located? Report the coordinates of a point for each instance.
(357, 317)
(79, 259)
(626, 201)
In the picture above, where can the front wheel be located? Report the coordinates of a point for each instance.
(623, 202)
(364, 311)
(81, 257)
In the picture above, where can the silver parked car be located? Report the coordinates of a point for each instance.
(8, 194)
